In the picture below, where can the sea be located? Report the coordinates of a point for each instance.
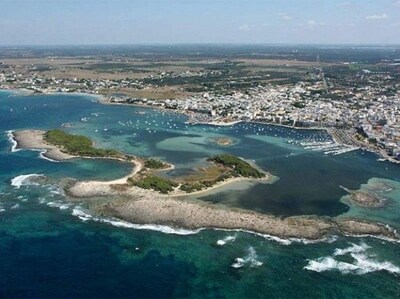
(53, 247)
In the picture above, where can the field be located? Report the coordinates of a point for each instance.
(179, 72)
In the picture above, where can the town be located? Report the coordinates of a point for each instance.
(359, 104)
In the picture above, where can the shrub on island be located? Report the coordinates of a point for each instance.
(77, 145)
(154, 164)
(189, 188)
(238, 166)
(200, 185)
(155, 183)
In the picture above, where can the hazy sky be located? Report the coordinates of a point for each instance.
(51, 22)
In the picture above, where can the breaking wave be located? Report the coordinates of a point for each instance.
(362, 262)
(282, 241)
(251, 259)
(58, 204)
(14, 143)
(42, 156)
(225, 240)
(85, 216)
(354, 248)
(25, 180)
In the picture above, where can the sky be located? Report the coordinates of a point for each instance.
(85, 22)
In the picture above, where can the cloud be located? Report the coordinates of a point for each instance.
(285, 16)
(377, 17)
(397, 3)
(244, 27)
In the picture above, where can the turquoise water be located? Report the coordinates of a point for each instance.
(46, 251)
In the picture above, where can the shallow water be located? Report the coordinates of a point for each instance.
(46, 251)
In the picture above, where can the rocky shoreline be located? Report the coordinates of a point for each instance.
(141, 206)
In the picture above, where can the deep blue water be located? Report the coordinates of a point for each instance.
(45, 251)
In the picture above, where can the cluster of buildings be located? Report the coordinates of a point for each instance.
(40, 84)
(369, 108)
(375, 115)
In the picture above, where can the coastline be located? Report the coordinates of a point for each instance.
(142, 206)
(29, 92)
(33, 140)
(139, 206)
(363, 146)
(101, 98)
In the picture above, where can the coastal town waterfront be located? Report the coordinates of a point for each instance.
(359, 107)
(309, 183)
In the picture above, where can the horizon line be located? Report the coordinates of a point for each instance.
(202, 44)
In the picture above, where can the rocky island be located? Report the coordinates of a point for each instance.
(143, 197)
(364, 199)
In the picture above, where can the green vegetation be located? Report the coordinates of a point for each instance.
(197, 186)
(229, 166)
(154, 164)
(203, 184)
(77, 145)
(155, 183)
(188, 188)
(299, 105)
(238, 166)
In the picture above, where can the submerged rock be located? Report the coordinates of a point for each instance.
(366, 199)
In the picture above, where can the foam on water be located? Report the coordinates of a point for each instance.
(55, 190)
(383, 238)
(42, 156)
(42, 200)
(85, 216)
(250, 259)
(354, 248)
(59, 204)
(81, 214)
(24, 180)
(16, 206)
(225, 240)
(282, 241)
(362, 262)
(10, 135)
